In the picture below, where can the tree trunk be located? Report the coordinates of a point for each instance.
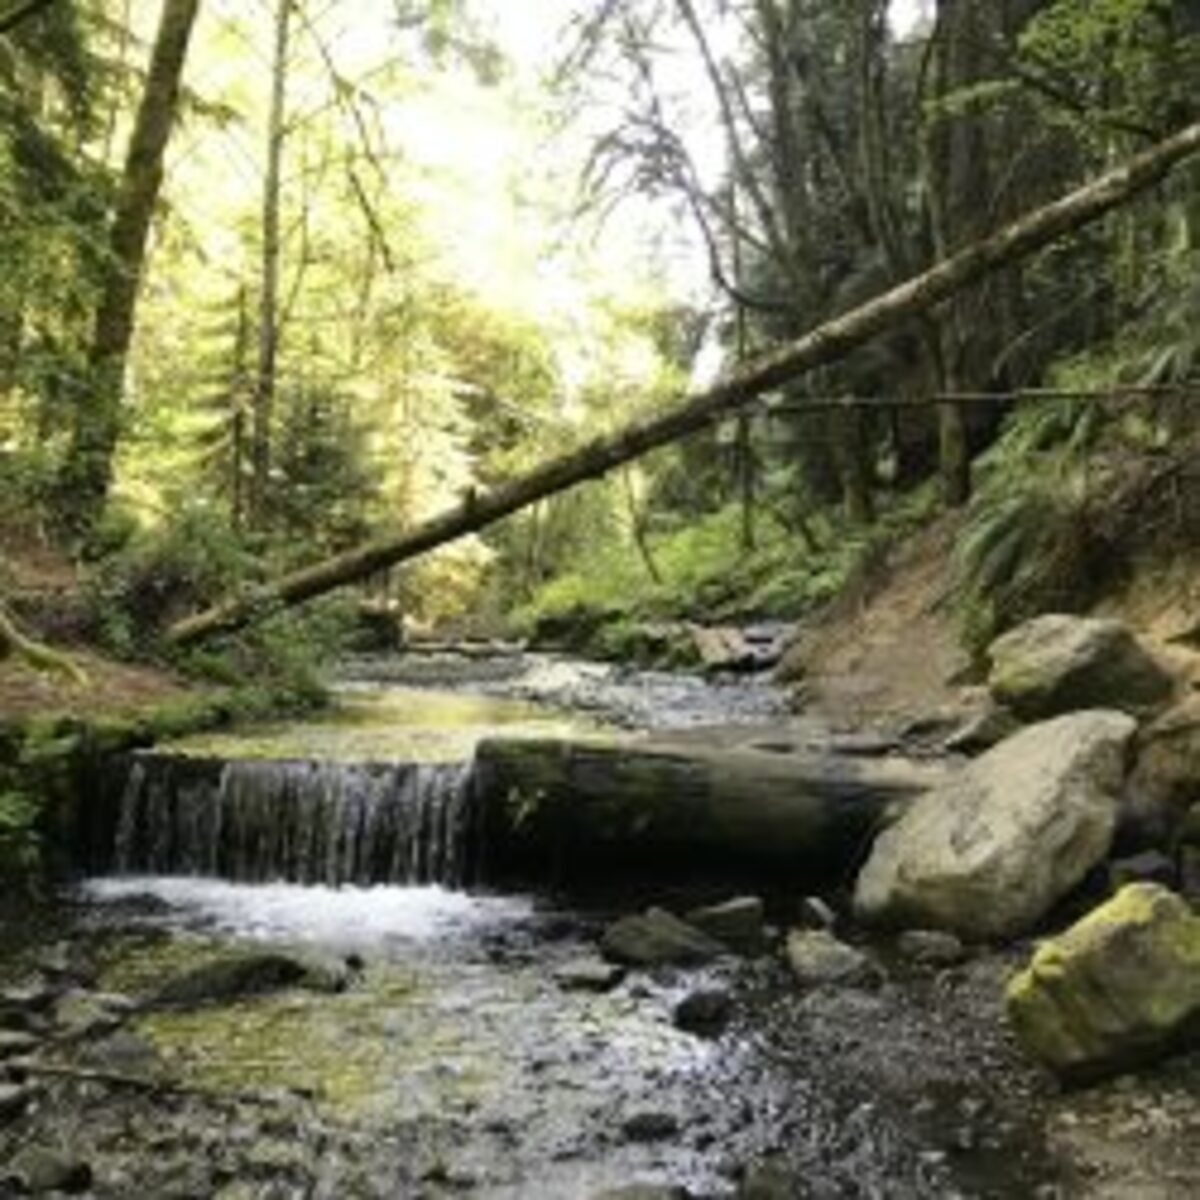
(268, 317)
(87, 472)
(827, 343)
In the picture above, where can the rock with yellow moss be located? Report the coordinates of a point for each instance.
(1119, 988)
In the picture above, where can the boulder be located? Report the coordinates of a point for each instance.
(1119, 988)
(658, 938)
(1056, 664)
(738, 923)
(988, 855)
(819, 959)
(1165, 781)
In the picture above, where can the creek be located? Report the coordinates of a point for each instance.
(456, 1056)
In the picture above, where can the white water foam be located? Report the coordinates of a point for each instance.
(346, 917)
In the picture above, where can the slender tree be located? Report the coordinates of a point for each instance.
(87, 471)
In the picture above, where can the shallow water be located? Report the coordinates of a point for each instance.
(370, 722)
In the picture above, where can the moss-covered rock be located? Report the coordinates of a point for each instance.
(1056, 664)
(1119, 988)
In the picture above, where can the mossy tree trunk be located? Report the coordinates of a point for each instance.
(87, 471)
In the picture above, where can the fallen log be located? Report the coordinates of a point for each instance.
(827, 343)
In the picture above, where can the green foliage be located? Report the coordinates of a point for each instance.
(20, 843)
(161, 574)
(1025, 550)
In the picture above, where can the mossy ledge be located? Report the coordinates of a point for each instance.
(51, 765)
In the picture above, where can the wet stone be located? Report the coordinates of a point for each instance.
(658, 938)
(738, 923)
(15, 1042)
(704, 1012)
(37, 1170)
(589, 975)
(818, 959)
(13, 1100)
(645, 1191)
(930, 947)
(650, 1126)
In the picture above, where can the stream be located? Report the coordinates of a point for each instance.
(462, 1053)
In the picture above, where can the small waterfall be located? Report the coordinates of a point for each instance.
(297, 821)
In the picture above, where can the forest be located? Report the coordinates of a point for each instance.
(246, 327)
(637, 438)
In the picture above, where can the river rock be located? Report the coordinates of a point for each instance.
(14, 1098)
(818, 959)
(36, 1170)
(990, 853)
(650, 1126)
(1151, 866)
(658, 938)
(231, 979)
(589, 975)
(930, 947)
(1057, 664)
(681, 802)
(705, 1012)
(645, 1191)
(1119, 988)
(15, 1042)
(738, 923)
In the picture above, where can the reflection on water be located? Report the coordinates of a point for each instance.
(380, 723)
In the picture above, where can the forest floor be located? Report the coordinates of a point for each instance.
(44, 593)
(887, 653)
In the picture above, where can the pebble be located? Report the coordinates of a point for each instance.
(650, 1126)
(705, 1013)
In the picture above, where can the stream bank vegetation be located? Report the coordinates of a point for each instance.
(276, 283)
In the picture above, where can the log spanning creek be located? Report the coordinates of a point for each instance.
(359, 957)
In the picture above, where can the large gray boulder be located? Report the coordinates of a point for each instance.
(987, 855)
(1056, 664)
(1118, 988)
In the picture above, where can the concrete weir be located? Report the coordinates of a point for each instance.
(554, 806)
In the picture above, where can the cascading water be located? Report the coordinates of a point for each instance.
(298, 821)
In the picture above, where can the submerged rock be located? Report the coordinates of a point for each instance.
(589, 975)
(818, 958)
(930, 947)
(982, 732)
(1119, 988)
(1165, 781)
(658, 938)
(738, 923)
(14, 1043)
(650, 1126)
(36, 1170)
(990, 853)
(1056, 664)
(230, 979)
(705, 1012)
